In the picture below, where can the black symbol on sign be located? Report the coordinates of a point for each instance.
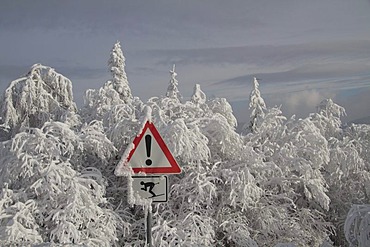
(148, 145)
(148, 186)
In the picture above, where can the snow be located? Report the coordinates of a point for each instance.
(357, 225)
(283, 182)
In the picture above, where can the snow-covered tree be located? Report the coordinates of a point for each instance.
(45, 199)
(283, 182)
(360, 134)
(172, 90)
(292, 155)
(327, 118)
(257, 106)
(114, 95)
(222, 107)
(40, 96)
(117, 65)
(198, 97)
(357, 226)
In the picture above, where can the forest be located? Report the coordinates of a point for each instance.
(281, 182)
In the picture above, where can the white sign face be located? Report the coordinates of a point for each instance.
(149, 154)
(150, 187)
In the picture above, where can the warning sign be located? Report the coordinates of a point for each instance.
(150, 154)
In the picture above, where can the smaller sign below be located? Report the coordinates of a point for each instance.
(151, 187)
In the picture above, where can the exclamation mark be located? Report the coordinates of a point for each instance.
(148, 144)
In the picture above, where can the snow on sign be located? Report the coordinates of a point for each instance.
(149, 154)
(150, 187)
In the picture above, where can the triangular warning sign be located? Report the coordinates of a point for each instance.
(149, 154)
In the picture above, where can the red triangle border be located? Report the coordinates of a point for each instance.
(173, 169)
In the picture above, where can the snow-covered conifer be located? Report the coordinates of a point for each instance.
(328, 117)
(198, 97)
(257, 106)
(222, 107)
(117, 65)
(100, 102)
(172, 90)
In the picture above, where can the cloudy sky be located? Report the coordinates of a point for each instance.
(302, 51)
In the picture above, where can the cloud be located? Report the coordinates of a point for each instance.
(153, 20)
(276, 56)
(320, 77)
(304, 102)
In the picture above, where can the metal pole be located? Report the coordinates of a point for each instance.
(149, 228)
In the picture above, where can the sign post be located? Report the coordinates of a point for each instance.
(149, 155)
(149, 227)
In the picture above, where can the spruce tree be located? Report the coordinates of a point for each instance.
(257, 106)
(172, 90)
(117, 65)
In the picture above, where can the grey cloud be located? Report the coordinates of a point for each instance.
(83, 72)
(267, 55)
(129, 15)
(13, 72)
(51, 14)
(311, 72)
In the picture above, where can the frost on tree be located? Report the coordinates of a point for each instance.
(222, 107)
(327, 118)
(117, 65)
(172, 90)
(113, 104)
(168, 108)
(291, 156)
(40, 96)
(285, 183)
(347, 174)
(357, 226)
(44, 199)
(257, 106)
(198, 97)
(115, 93)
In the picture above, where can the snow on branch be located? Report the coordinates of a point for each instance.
(42, 95)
